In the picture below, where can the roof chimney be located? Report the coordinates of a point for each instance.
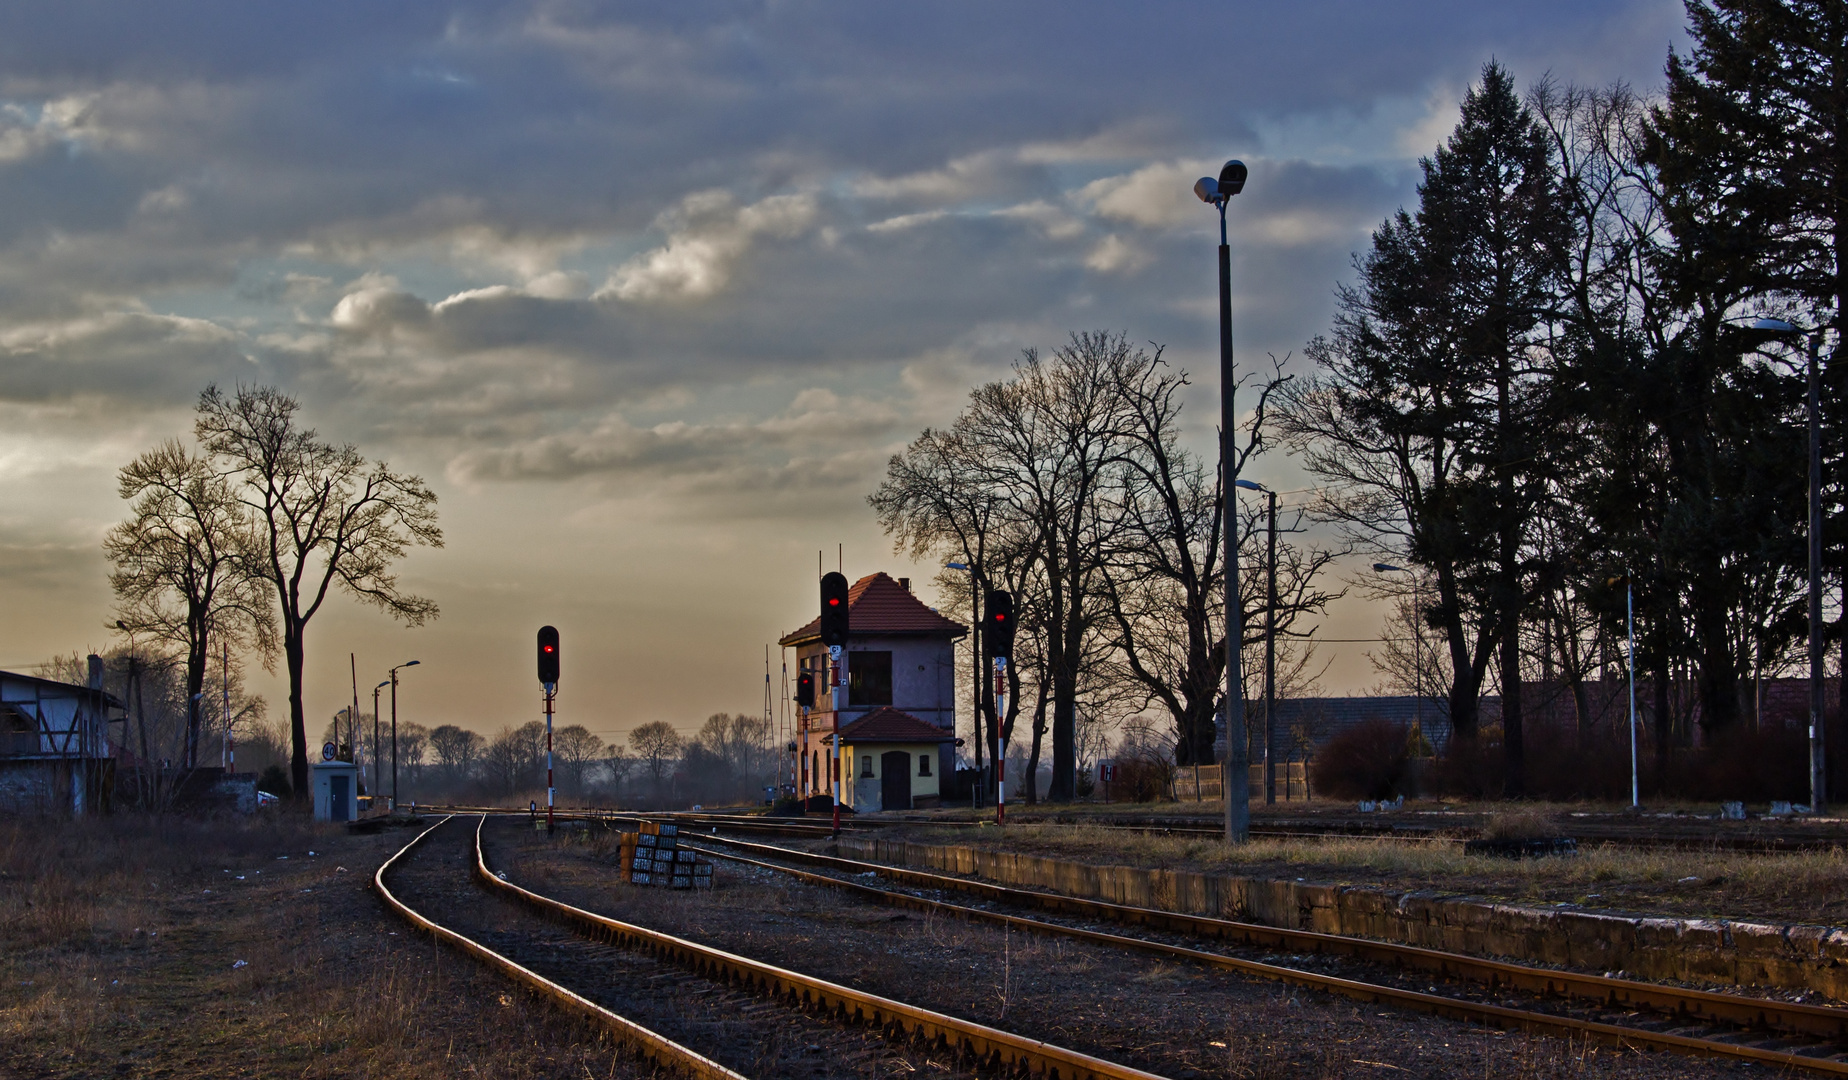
(905, 583)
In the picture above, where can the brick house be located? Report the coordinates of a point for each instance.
(901, 655)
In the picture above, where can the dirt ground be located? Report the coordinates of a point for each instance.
(1175, 1020)
(135, 947)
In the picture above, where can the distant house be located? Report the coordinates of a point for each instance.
(901, 655)
(54, 744)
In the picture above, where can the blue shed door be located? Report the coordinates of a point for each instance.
(337, 799)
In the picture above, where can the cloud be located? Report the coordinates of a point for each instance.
(137, 357)
(1158, 196)
(707, 234)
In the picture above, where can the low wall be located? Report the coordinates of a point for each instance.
(1795, 957)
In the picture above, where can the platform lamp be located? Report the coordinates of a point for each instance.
(1270, 644)
(394, 728)
(1813, 340)
(978, 685)
(378, 759)
(1236, 774)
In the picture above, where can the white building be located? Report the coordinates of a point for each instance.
(54, 744)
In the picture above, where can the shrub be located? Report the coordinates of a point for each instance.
(274, 781)
(1371, 760)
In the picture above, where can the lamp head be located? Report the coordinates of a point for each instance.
(383, 685)
(1207, 189)
(1250, 485)
(1232, 178)
(1774, 326)
(411, 663)
(1387, 568)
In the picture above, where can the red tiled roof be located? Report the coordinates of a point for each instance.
(886, 724)
(878, 605)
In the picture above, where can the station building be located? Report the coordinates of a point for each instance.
(901, 680)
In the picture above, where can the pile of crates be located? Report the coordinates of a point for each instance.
(653, 856)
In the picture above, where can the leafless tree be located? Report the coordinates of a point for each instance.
(577, 748)
(182, 567)
(325, 516)
(657, 745)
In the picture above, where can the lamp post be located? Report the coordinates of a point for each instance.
(377, 758)
(1813, 341)
(1270, 644)
(1418, 689)
(394, 729)
(1236, 772)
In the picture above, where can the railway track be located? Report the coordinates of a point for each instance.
(747, 1003)
(1617, 1011)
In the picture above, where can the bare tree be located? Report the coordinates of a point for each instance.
(457, 750)
(182, 567)
(577, 748)
(325, 516)
(657, 745)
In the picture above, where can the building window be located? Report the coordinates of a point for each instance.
(923, 764)
(869, 679)
(866, 767)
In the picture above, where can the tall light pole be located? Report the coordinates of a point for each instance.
(1813, 339)
(378, 759)
(1270, 644)
(1236, 772)
(394, 729)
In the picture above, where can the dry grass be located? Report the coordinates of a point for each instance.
(1807, 886)
(120, 942)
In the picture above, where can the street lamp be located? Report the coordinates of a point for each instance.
(1418, 689)
(377, 758)
(1270, 646)
(394, 729)
(1236, 772)
(1813, 339)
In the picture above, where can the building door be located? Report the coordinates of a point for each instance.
(337, 799)
(895, 780)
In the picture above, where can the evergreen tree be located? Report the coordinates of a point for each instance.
(1435, 411)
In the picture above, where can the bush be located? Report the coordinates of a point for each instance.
(1371, 760)
(1142, 779)
(274, 781)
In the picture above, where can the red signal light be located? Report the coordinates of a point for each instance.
(832, 602)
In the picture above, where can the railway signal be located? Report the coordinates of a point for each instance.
(805, 690)
(998, 633)
(548, 678)
(548, 658)
(833, 610)
(998, 623)
(834, 606)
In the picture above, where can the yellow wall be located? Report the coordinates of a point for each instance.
(920, 785)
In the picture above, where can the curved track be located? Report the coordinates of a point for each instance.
(985, 1047)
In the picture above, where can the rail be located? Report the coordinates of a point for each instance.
(987, 1046)
(1806, 1020)
(651, 1046)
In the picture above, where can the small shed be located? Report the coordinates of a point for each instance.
(893, 759)
(336, 790)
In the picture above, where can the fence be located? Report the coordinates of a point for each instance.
(1201, 783)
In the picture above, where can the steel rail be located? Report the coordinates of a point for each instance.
(1789, 1018)
(987, 1046)
(651, 1046)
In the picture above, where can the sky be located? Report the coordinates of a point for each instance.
(649, 293)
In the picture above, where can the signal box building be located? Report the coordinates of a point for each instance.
(901, 659)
